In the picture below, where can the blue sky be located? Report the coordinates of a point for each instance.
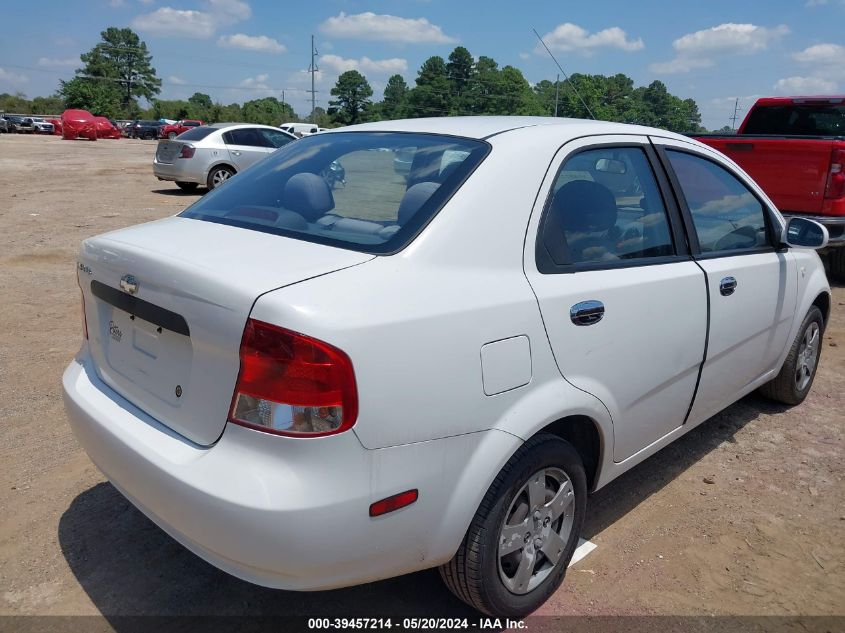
(234, 50)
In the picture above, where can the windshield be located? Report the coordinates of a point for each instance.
(797, 120)
(365, 191)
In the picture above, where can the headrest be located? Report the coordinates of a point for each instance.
(309, 195)
(413, 200)
(585, 206)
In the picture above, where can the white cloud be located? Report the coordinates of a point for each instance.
(697, 50)
(14, 79)
(258, 82)
(379, 66)
(571, 37)
(170, 22)
(804, 85)
(167, 21)
(388, 28)
(49, 62)
(252, 43)
(173, 79)
(821, 54)
(524, 56)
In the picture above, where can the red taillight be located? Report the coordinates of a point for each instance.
(292, 384)
(394, 503)
(836, 178)
(187, 151)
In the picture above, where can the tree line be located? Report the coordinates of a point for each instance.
(118, 72)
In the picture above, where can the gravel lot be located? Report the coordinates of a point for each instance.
(744, 515)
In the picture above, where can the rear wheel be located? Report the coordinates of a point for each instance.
(218, 175)
(186, 186)
(793, 382)
(517, 548)
(836, 263)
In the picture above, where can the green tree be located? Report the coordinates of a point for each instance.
(48, 105)
(16, 103)
(352, 92)
(98, 97)
(432, 94)
(394, 104)
(267, 111)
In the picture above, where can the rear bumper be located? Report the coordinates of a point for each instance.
(181, 171)
(276, 511)
(835, 225)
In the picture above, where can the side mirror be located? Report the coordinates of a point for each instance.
(804, 233)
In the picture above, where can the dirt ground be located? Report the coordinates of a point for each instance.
(744, 515)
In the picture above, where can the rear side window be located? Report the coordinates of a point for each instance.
(347, 189)
(797, 120)
(727, 216)
(196, 134)
(606, 207)
(248, 136)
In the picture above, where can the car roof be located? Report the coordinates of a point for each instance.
(481, 127)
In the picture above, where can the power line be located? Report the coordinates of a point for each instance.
(574, 89)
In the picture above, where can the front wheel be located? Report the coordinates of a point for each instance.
(793, 382)
(517, 548)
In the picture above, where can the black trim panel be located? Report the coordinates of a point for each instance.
(142, 309)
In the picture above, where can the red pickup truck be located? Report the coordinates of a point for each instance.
(794, 147)
(173, 130)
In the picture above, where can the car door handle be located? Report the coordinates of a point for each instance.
(727, 286)
(586, 312)
(236, 152)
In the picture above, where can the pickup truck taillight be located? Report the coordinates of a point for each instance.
(836, 178)
(292, 384)
(187, 151)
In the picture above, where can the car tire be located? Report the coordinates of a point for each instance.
(496, 584)
(218, 175)
(172, 135)
(793, 382)
(186, 186)
(836, 263)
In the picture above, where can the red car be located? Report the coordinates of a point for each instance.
(794, 147)
(105, 128)
(173, 130)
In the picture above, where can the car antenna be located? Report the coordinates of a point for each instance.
(571, 83)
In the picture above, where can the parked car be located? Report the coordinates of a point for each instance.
(172, 130)
(300, 129)
(78, 124)
(211, 154)
(794, 147)
(21, 124)
(106, 128)
(40, 126)
(57, 126)
(5, 125)
(144, 129)
(312, 388)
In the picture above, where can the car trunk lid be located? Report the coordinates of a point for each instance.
(166, 305)
(168, 151)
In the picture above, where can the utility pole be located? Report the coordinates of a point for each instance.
(557, 92)
(735, 116)
(313, 70)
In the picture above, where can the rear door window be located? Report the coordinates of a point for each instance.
(274, 138)
(727, 216)
(797, 120)
(248, 136)
(606, 208)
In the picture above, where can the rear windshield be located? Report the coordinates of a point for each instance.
(797, 120)
(196, 133)
(365, 191)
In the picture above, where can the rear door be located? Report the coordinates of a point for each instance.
(752, 284)
(246, 146)
(624, 306)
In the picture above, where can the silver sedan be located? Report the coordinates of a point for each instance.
(211, 154)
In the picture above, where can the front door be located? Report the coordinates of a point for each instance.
(752, 284)
(624, 305)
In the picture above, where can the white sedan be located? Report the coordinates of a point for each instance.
(313, 383)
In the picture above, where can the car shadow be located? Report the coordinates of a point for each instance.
(129, 567)
(175, 191)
